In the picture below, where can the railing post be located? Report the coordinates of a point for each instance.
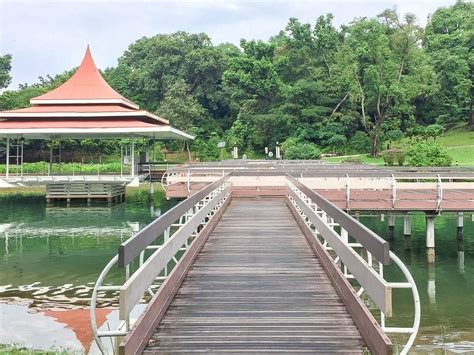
(439, 197)
(348, 193)
(394, 191)
(189, 182)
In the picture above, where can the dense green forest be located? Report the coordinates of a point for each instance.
(312, 87)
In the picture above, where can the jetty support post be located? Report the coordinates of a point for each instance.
(460, 220)
(391, 226)
(407, 230)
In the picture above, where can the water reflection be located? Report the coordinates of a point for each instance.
(432, 283)
(50, 258)
(460, 252)
(446, 286)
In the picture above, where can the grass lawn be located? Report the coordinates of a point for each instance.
(459, 141)
(463, 155)
(457, 137)
(363, 157)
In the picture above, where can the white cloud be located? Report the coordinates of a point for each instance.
(50, 36)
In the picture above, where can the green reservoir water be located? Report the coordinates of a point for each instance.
(51, 256)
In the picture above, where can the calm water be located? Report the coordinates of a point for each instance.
(50, 258)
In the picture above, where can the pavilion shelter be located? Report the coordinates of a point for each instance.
(85, 106)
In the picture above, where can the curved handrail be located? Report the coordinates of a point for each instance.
(416, 300)
(92, 310)
(163, 180)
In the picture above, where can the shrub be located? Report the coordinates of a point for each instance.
(423, 153)
(360, 142)
(42, 168)
(393, 157)
(292, 149)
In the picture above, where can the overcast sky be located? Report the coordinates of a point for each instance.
(49, 37)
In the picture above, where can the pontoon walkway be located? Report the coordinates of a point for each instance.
(256, 286)
(255, 275)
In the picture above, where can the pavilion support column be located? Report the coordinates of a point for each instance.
(132, 157)
(21, 157)
(50, 159)
(407, 230)
(7, 172)
(121, 159)
(430, 238)
(153, 159)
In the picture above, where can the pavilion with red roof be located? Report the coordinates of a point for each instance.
(85, 106)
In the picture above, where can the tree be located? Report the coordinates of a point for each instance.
(449, 41)
(384, 70)
(5, 67)
(175, 69)
(181, 108)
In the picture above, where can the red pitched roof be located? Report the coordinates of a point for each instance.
(86, 84)
(85, 105)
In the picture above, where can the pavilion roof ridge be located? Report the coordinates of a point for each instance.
(85, 86)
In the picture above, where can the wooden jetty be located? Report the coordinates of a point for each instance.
(350, 187)
(224, 273)
(85, 191)
(256, 287)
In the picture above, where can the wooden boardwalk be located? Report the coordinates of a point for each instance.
(256, 286)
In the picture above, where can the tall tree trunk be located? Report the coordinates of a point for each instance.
(375, 137)
(374, 149)
(339, 104)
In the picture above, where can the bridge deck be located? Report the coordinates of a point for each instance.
(256, 286)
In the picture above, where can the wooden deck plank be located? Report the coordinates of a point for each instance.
(257, 287)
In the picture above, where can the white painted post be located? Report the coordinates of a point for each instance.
(345, 238)
(460, 220)
(152, 188)
(121, 159)
(348, 193)
(132, 157)
(391, 221)
(21, 159)
(50, 172)
(407, 224)
(8, 158)
(430, 238)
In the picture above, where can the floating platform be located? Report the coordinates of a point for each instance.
(85, 191)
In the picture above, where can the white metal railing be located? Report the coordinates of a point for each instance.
(358, 264)
(154, 269)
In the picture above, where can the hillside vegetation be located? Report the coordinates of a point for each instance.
(370, 85)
